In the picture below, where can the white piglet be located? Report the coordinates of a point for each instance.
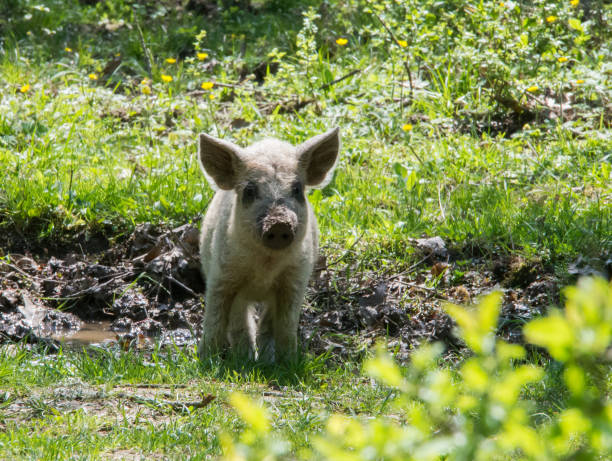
(259, 241)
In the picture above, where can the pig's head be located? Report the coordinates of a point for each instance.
(269, 180)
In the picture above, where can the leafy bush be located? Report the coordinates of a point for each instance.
(478, 411)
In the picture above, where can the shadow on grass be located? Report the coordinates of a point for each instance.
(240, 369)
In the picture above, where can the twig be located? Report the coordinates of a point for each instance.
(338, 80)
(418, 287)
(182, 285)
(333, 263)
(159, 386)
(92, 289)
(175, 406)
(410, 269)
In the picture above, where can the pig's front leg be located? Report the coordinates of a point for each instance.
(265, 331)
(241, 327)
(216, 313)
(289, 299)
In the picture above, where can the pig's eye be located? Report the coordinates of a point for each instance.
(296, 190)
(249, 193)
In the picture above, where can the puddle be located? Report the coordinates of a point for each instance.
(89, 333)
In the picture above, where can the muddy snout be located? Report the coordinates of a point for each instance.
(278, 227)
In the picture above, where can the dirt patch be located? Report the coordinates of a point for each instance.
(148, 288)
(132, 403)
(347, 315)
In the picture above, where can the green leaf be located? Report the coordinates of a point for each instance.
(554, 333)
(575, 24)
(477, 326)
(383, 368)
(253, 414)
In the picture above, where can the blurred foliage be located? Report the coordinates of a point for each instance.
(477, 411)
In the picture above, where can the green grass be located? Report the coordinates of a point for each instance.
(85, 403)
(458, 148)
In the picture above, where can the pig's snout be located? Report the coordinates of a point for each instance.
(278, 236)
(278, 228)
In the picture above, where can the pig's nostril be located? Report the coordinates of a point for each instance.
(278, 236)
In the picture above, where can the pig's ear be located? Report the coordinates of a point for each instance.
(318, 155)
(220, 160)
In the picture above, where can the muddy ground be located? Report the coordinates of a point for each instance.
(148, 287)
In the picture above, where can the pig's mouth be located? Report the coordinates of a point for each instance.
(277, 228)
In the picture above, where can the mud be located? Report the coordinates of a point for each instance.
(148, 288)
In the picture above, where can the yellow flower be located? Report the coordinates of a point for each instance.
(93, 76)
(166, 78)
(202, 56)
(407, 127)
(551, 19)
(145, 81)
(579, 82)
(211, 96)
(532, 89)
(145, 89)
(25, 88)
(68, 50)
(342, 41)
(502, 4)
(170, 60)
(562, 59)
(117, 55)
(574, 2)
(402, 43)
(207, 85)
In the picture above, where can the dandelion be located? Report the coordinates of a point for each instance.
(145, 89)
(68, 49)
(25, 88)
(342, 41)
(211, 96)
(93, 76)
(574, 2)
(502, 4)
(551, 19)
(562, 59)
(407, 127)
(207, 85)
(145, 81)
(171, 60)
(166, 78)
(579, 82)
(532, 89)
(402, 43)
(202, 56)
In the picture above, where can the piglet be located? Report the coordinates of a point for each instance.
(259, 241)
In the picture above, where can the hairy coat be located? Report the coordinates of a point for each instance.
(259, 240)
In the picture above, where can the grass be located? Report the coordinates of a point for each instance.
(442, 137)
(93, 403)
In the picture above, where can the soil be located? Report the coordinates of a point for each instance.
(148, 288)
